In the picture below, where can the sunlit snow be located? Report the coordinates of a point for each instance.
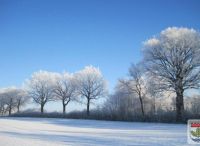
(58, 132)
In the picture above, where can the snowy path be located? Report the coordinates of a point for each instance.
(58, 132)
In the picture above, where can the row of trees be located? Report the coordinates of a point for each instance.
(12, 99)
(120, 106)
(171, 64)
(43, 87)
(169, 68)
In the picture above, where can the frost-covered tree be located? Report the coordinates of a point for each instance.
(12, 98)
(195, 105)
(22, 98)
(172, 58)
(3, 105)
(135, 85)
(120, 105)
(65, 89)
(9, 96)
(40, 87)
(90, 85)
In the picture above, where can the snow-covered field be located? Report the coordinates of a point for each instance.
(59, 132)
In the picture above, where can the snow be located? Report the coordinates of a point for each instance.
(60, 132)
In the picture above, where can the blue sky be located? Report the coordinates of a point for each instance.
(59, 35)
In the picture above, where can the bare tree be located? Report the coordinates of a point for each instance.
(119, 105)
(41, 86)
(3, 105)
(154, 92)
(9, 99)
(12, 98)
(65, 89)
(136, 85)
(90, 85)
(22, 98)
(173, 60)
(195, 105)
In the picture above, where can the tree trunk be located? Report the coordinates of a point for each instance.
(88, 107)
(10, 111)
(179, 105)
(64, 108)
(18, 106)
(42, 108)
(17, 109)
(154, 106)
(141, 104)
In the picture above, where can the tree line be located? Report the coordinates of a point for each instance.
(43, 86)
(157, 87)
